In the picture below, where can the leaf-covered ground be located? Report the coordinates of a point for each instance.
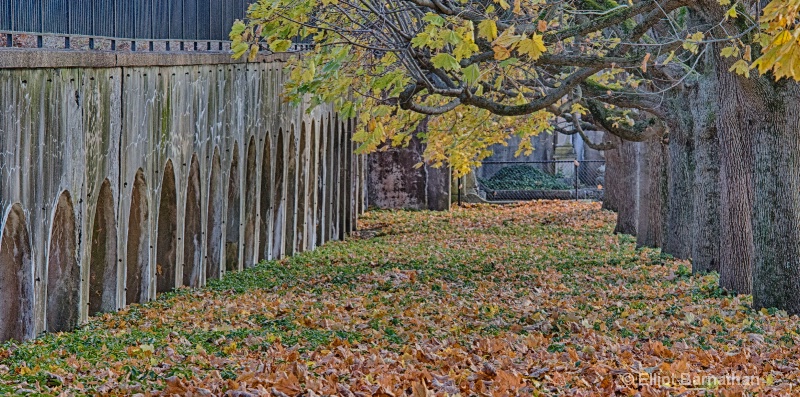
(535, 299)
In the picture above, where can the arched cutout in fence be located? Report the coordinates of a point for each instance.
(103, 256)
(313, 187)
(215, 210)
(193, 228)
(250, 205)
(266, 201)
(322, 158)
(337, 192)
(234, 215)
(279, 208)
(167, 240)
(63, 270)
(330, 181)
(290, 234)
(16, 278)
(138, 243)
(349, 175)
(302, 190)
(344, 187)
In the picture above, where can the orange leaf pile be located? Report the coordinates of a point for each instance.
(534, 299)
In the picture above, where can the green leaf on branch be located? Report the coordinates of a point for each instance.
(280, 45)
(471, 74)
(237, 29)
(434, 19)
(421, 40)
(239, 49)
(445, 61)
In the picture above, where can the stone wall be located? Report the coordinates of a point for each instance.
(121, 182)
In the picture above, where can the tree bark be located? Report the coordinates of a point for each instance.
(622, 184)
(776, 216)
(693, 204)
(705, 234)
(739, 112)
(759, 156)
(612, 187)
(680, 175)
(652, 194)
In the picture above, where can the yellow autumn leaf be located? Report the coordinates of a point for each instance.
(508, 39)
(230, 348)
(487, 29)
(697, 36)
(731, 13)
(782, 38)
(730, 51)
(741, 67)
(669, 58)
(533, 47)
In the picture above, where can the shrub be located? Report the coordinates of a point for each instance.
(524, 177)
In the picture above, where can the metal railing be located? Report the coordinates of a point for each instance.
(206, 21)
(541, 180)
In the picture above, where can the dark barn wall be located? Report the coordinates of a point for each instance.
(120, 182)
(394, 182)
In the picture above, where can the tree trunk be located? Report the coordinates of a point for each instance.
(776, 215)
(693, 205)
(738, 112)
(705, 198)
(612, 187)
(622, 184)
(759, 156)
(652, 194)
(680, 175)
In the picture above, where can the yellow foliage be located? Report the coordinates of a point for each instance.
(780, 53)
(532, 47)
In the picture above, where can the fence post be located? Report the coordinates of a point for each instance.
(576, 164)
